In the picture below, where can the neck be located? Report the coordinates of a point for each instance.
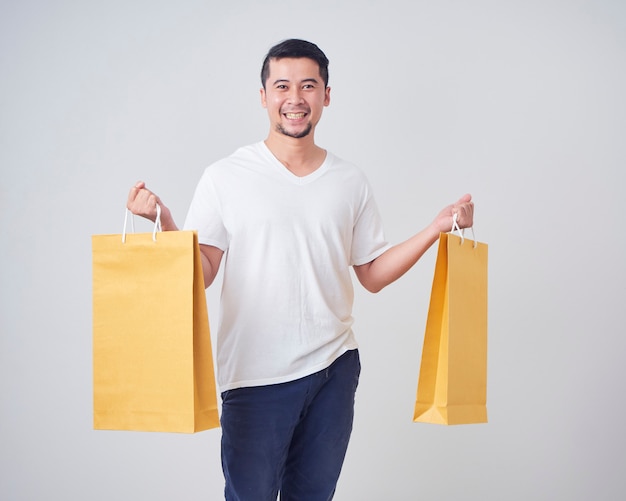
(301, 156)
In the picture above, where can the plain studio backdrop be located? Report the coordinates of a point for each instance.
(521, 103)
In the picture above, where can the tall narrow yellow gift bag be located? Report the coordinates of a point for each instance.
(152, 358)
(452, 386)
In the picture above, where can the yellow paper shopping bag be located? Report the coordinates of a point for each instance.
(452, 386)
(152, 358)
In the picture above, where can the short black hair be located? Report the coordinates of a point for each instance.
(295, 48)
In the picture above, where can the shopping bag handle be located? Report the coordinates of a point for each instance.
(157, 223)
(455, 227)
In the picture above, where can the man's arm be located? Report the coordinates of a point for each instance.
(142, 202)
(399, 259)
(211, 258)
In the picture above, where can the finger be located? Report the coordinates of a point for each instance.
(461, 207)
(468, 215)
(134, 191)
(142, 202)
(464, 199)
(464, 214)
(132, 196)
(151, 203)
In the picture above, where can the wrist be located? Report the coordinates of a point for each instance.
(435, 229)
(167, 222)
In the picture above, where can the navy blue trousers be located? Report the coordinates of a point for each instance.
(291, 437)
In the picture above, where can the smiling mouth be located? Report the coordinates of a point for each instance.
(295, 116)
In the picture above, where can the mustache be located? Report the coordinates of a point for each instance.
(306, 110)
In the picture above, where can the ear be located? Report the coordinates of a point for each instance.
(327, 96)
(263, 98)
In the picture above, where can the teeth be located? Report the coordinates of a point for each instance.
(294, 116)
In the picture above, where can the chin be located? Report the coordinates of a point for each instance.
(297, 135)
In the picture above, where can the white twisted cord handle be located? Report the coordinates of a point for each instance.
(455, 227)
(157, 223)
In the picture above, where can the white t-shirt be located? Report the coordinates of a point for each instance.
(289, 242)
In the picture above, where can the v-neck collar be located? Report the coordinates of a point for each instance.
(300, 180)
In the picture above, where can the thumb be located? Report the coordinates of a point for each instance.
(464, 199)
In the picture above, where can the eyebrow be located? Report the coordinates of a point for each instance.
(285, 80)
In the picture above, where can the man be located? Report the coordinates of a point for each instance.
(290, 219)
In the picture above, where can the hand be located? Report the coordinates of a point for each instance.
(464, 208)
(143, 202)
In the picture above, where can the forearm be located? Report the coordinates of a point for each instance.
(396, 261)
(143, 202)
(209, 267)
(210, 256)
(208, 271)
(211, 259)
(167, 221)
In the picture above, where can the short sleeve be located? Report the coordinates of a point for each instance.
(205, 214)
(368, 240)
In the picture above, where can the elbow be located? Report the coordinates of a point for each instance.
(373, 286)
(375, 290)
(208, 280)
(370, 281)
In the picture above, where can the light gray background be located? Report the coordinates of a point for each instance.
(520, 103)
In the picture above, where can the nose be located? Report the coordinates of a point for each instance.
(295, 95)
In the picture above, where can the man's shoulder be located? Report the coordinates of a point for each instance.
(249, 152)
(345, 166)
(242, 156)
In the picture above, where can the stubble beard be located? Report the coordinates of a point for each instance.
(296, 135)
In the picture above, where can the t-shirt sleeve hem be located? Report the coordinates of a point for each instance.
(214, 243)
(370, 257)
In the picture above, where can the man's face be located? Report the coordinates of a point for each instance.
(294, 96)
